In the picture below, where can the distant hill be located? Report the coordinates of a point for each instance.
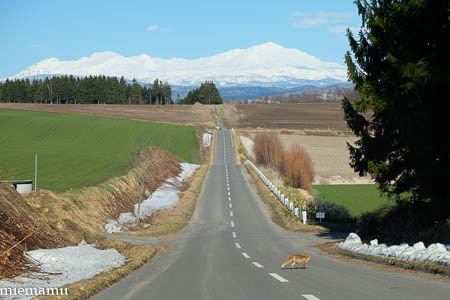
(240, 73)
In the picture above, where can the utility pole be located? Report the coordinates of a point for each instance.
(35, 172)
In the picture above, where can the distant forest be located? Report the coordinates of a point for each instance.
(87, 90)
(100, 89)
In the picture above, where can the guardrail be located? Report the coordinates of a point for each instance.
(290, 205)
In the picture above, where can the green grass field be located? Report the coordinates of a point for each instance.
(76, 151)
(357, 198)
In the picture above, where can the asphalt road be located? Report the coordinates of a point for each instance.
(231, 250)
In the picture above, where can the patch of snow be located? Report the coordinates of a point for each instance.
(248, 145)
(187, 171)
(207, 139)
(352, 238)
(71, 264)
(164, 198)
(437, 252)
(113, 226)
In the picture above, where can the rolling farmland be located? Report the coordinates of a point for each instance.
(300, 116)
(196, 115)
(76, 151)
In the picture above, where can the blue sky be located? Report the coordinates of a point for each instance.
(35, 30)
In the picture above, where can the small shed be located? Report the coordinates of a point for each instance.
(21, 186)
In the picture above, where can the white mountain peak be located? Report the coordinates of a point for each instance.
(264, 64)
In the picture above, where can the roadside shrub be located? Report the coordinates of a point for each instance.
(268, 149)
(405, 222)
(300, 198)
(299, 168)
(294, 164)
(333, 212)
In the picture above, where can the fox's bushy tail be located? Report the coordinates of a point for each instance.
(286, 261)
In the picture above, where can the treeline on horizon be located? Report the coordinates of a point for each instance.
(99, 90)
(330, 95)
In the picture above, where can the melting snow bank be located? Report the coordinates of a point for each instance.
(207, 139)
(62, 266)
(164, 198)
(418, 252)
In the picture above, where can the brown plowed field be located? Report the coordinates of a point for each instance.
(177, 114)
(302, 116)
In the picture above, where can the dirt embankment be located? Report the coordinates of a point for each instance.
(75, 213)
(22, 229)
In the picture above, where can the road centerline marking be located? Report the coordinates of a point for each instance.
(310, 297)
(234, 234)
(238, 246)
(231, 213)
(245, 255)
(257, 264)
(230, 205)
(232, 224)
(278, 277)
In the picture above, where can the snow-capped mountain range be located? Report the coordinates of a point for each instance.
(263, 65)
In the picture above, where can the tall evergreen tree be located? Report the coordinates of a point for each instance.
(136, 92)
(400, 72)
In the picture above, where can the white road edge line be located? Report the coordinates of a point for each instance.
(238, 246)
(232, 224)
(257, 264)
(278, 277)
(234, 234)
(310, 297)
(245, 255)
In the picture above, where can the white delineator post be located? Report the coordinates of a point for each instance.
(35, 172)
(304, 216)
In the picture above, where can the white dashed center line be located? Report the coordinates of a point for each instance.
(229, 198)
(257, 264)
(229, 194)
(238, 246)
(231, 213)
(310, 297)
(231, 205)
(234, 234)
(245, 255)
(232, 224)
(278, 277)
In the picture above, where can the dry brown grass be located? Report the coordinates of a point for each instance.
(198, 115)
(21, 229)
